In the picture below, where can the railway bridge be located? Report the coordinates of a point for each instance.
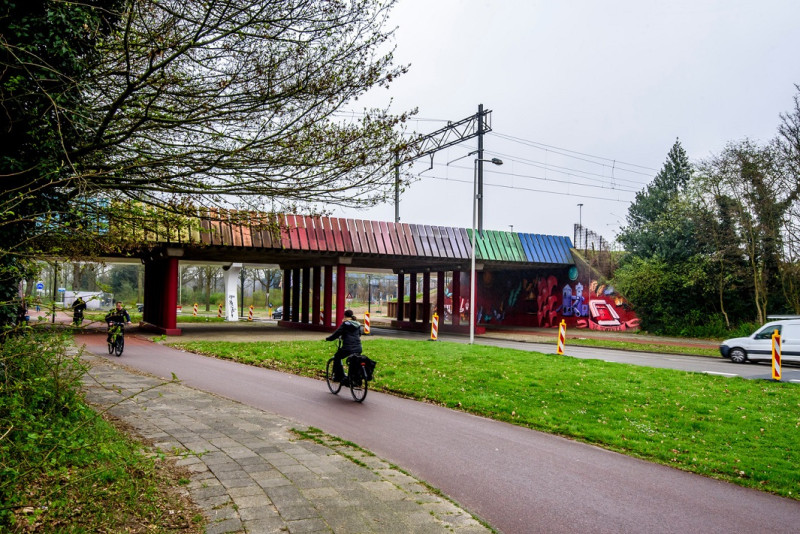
(315, 252)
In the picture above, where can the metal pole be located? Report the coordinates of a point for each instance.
(479, 179)
(472, 267)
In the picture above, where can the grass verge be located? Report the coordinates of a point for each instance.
(63, 468)
(741, 431)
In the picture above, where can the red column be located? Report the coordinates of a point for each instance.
(341, 292)
(401, 295)
(327, 298)
(440, 295)
(169, 298)
(456, 298)
(315, 282)
(426, 298)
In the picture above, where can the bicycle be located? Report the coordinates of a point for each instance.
(358, 376)
(116, 334)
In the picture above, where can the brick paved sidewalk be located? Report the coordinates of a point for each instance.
(252, 473)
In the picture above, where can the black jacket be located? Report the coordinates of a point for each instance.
(350, 332)
(118, 316)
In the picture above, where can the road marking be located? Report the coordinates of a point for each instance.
(720, 374)
(797, 381)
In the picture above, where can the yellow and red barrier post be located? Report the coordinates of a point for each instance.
(562, 336)
(250, 313)
(194, 312)
(776, 355)
(366, 324)
(435, 327)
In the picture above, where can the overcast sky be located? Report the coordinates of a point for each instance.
(587, 98)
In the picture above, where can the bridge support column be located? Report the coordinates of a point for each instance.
(426, 298)
(231, 275)
(305, 295)
(440, 295)
(327, 297)
(341, 292)
(161, 295)
(295, 305)
(401, 295)
(412, 297)
(315, 283)
(456, 315)
(287, 294)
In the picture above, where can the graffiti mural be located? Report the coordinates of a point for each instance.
(543, 299)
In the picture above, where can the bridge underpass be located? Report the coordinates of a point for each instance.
(315, 254)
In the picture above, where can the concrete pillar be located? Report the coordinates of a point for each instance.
(231, 276)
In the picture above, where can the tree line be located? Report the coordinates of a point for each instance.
(110, 108)
(715, 244)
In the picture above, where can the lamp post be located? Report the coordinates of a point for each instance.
(472, 319)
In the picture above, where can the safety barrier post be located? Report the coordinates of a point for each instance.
(562, 336)
(219, 310)
(435, 327)
(195, 310)
(250, 313)
(366, 324)
(776, 355)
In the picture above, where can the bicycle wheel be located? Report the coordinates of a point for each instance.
(333, 386)
(111, 345)
(358, 384)
(119, 345)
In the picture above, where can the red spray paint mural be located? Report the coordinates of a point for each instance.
(544, 299)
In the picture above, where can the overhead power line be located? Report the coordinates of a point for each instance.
(569, 153)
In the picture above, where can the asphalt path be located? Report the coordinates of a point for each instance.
(517, 479)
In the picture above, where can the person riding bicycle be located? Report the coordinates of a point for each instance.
(118, 315)
(350, 332)
(77, 311)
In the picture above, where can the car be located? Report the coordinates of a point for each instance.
(758, 345)
(278, 313)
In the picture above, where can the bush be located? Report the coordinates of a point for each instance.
(39, 407)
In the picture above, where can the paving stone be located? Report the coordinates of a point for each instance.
(250, 474)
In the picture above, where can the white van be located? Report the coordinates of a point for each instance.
(758, 346)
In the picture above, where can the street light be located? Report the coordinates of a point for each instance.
(472, 319)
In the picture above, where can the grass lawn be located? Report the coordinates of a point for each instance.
(742, 431)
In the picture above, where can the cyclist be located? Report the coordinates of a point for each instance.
(77, 311)
(350, 332)
(117, 315)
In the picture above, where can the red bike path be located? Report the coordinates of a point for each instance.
(517, 479)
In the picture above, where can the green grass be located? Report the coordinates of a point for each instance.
(63, 468)
(742, 431)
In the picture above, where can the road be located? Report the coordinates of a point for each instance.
(517, 479)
